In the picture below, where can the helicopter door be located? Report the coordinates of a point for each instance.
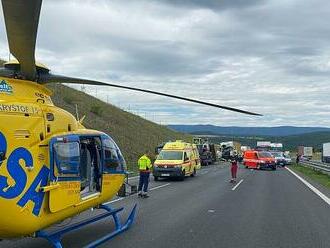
(65, 172)
(90, 166)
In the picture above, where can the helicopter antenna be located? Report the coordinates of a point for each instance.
(77, 113)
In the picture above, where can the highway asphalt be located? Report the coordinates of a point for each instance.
(267, 209)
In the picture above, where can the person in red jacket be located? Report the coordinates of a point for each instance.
(233, 169)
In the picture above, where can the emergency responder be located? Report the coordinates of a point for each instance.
(145, 166)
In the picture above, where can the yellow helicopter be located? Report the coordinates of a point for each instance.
(51, 166)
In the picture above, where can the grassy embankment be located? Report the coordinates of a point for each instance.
(316, 176)
(133, 134)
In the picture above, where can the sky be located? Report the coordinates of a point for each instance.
(270, 57)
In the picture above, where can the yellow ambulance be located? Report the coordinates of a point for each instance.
(177, 159)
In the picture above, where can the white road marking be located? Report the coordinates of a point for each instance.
(160, 186)
(122, 198)
(235, 187)
(135, 177)
(311, 187)
(204, 172)
(116, 200)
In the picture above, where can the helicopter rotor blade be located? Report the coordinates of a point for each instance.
(21, 19)
(50, 78)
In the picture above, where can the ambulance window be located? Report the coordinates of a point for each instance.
(113, 159)
(170, 155)
(67, 158)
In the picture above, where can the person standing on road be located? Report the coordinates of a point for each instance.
(145, 166)
(233, 169)
(297, 159)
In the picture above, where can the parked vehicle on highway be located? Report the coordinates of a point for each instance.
(177, 159)
(326, 153)
(288, 159)
(279, 158)
(305, 151)
(230, 150)
(259, 160)
(303, 158)
(207, 151)
(212, 148)
(159, 148)
(205, 155)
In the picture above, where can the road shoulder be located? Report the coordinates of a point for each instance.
(313, 182)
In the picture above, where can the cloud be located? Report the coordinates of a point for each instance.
(212, 4)
(271, 57)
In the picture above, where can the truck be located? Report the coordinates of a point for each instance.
(207, 150)
(326, 152)
(305, 151)
(245, 148)
(265, 144)
(205, 154)
(276, 146)
(230, 149)
(159, 148)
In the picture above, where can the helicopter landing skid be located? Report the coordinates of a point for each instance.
(55, 237)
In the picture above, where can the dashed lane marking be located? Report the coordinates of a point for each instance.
(311, 187)
(236, 186)
(135, 177)
(122, 198)
(160, 186)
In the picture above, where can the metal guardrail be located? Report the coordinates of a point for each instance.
(317, 165)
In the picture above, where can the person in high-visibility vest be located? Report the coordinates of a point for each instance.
(145, 166)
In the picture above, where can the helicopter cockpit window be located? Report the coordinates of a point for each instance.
(113, 159)
(67, 158)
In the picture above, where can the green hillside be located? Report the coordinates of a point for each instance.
(133, 134)
(310, 139)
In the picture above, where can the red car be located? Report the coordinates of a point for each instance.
(259, 160)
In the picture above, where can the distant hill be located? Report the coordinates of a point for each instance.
(315, 140)
(247, 131)
(290, 142)
(290, 136)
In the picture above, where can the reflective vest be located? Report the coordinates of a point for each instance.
(144, 163)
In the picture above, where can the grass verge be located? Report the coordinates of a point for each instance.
(317, 176)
